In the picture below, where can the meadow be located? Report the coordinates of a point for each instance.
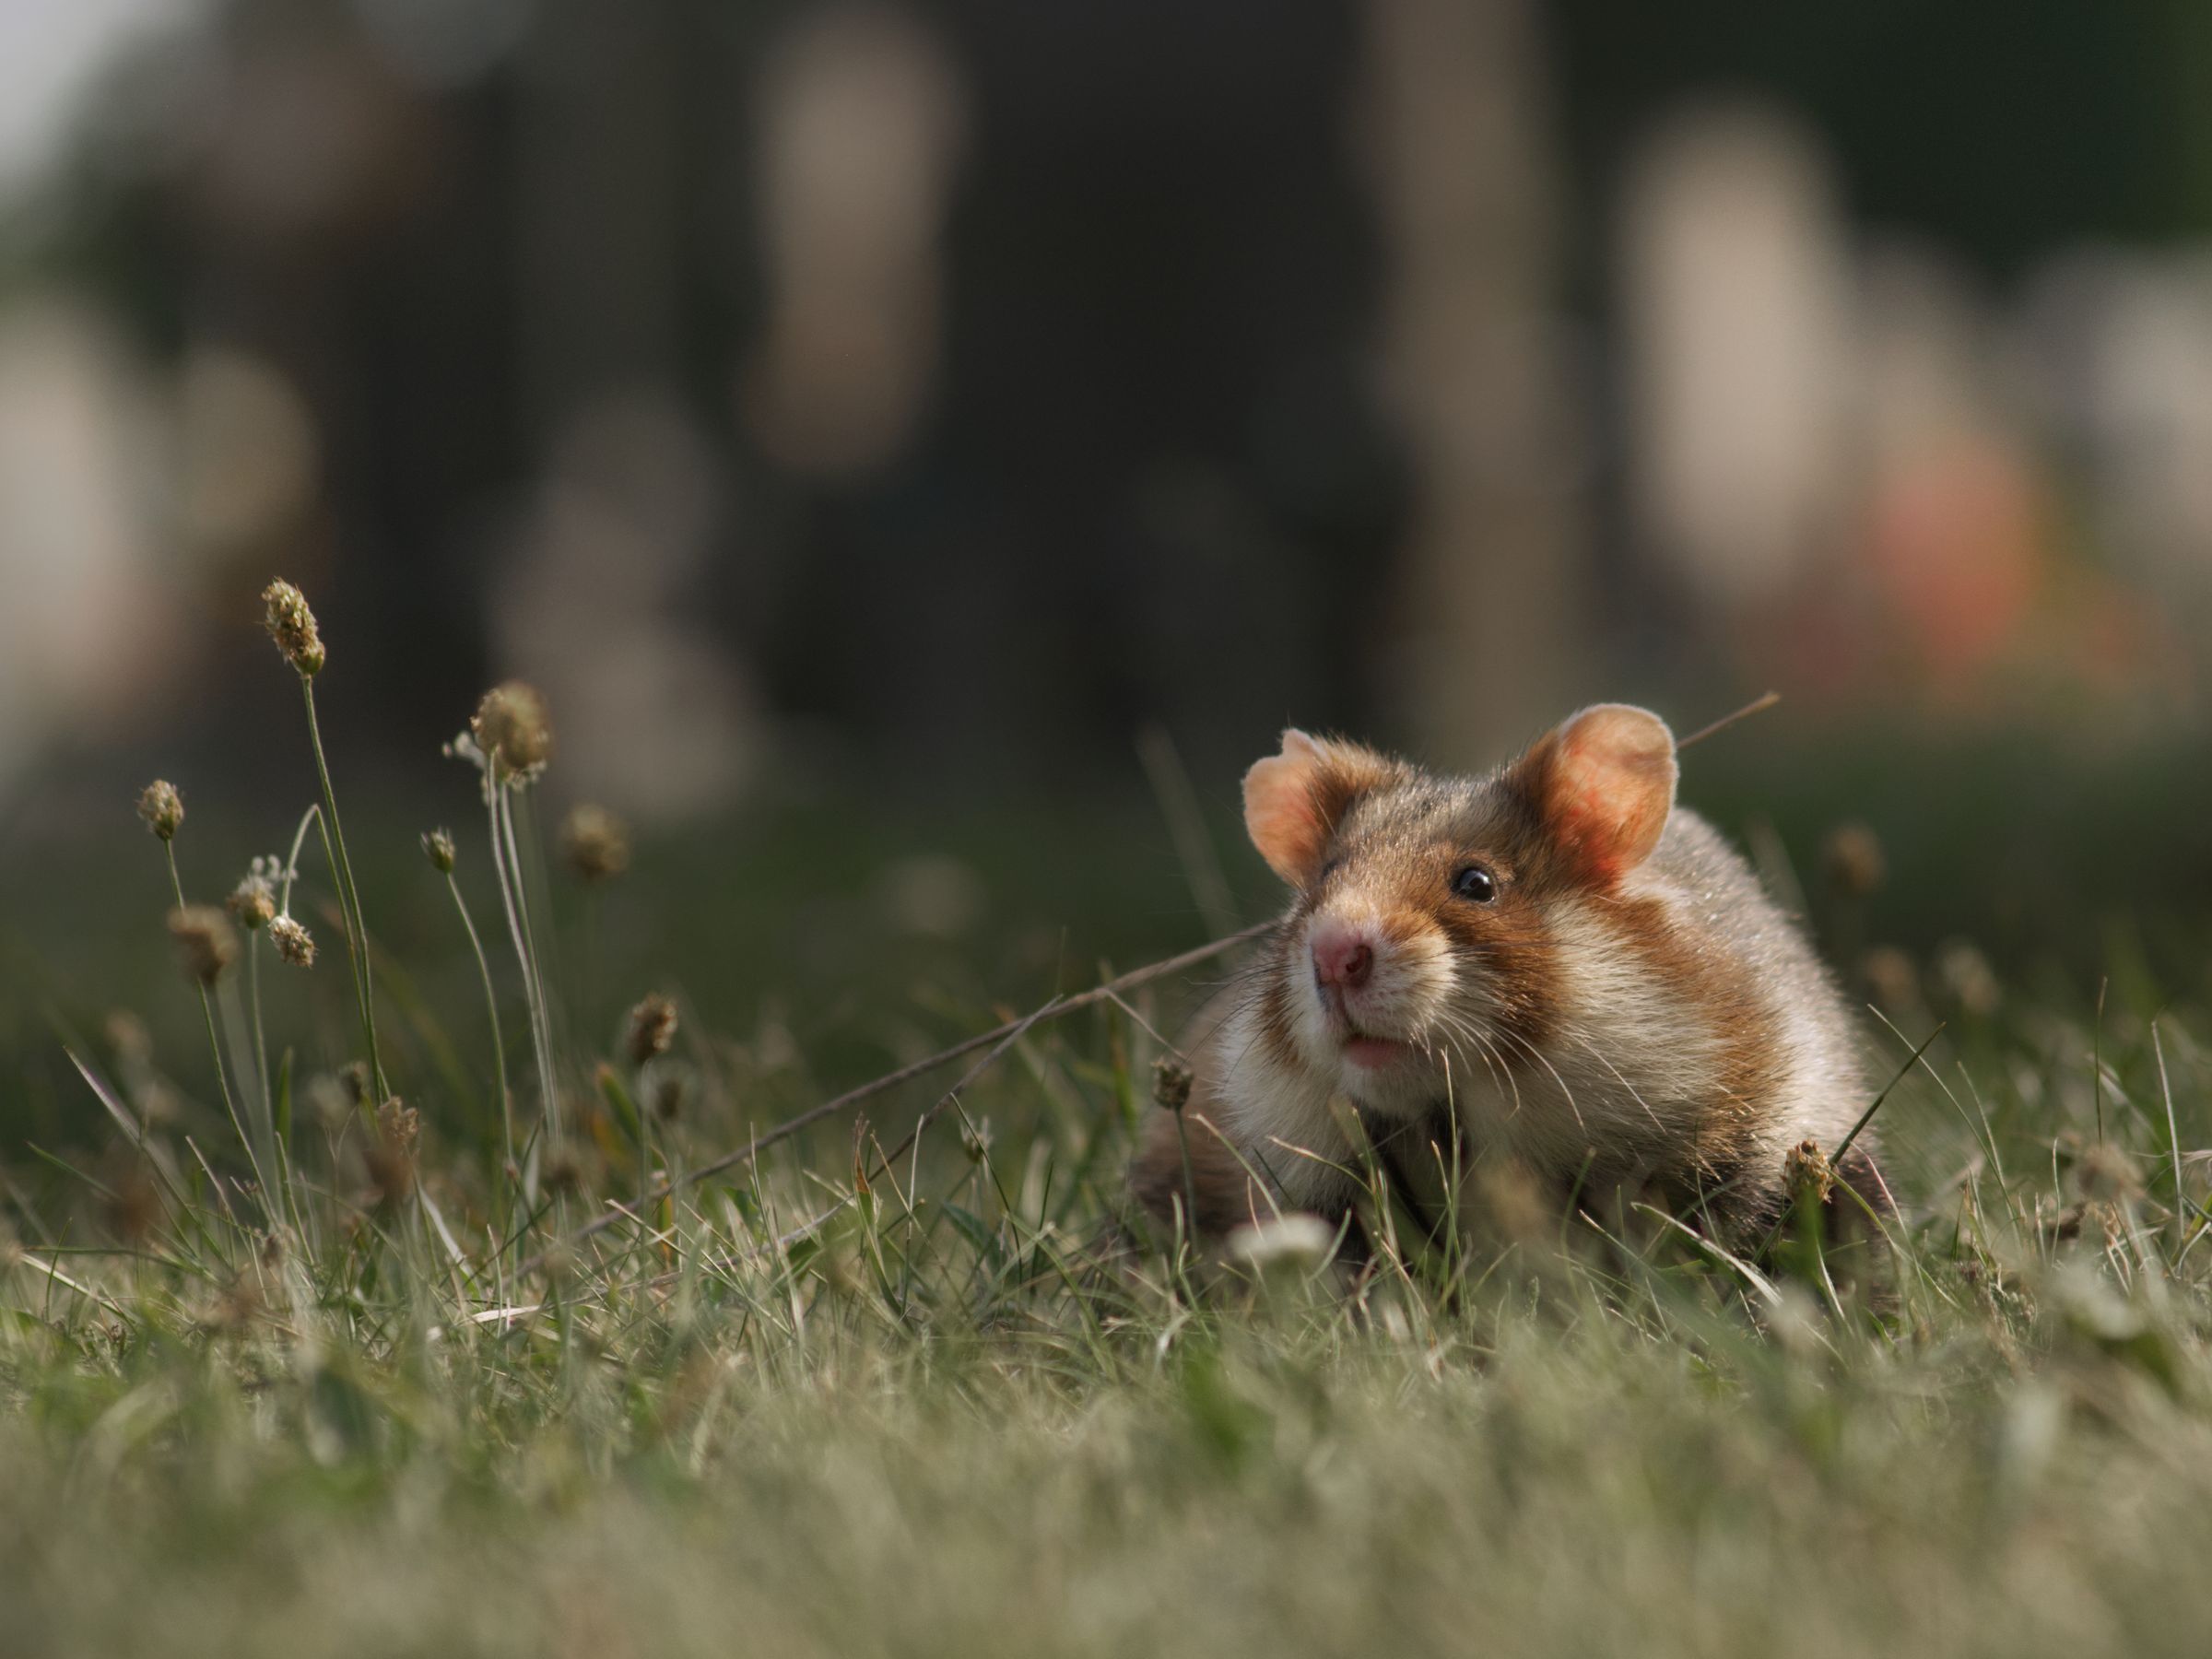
(474, 1304)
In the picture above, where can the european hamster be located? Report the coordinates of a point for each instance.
(1553, 966)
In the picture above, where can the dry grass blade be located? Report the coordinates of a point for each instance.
(1752, 1277)
(785, 1240)
(2173, 1140)
(1758, 705)
(40, 1265)
(1866, 1116)
(106, 1095)
(1059, 1008)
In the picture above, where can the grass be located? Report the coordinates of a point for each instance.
(833, 1402)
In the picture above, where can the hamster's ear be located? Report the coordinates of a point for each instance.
(1604, 785)
(1293, 800)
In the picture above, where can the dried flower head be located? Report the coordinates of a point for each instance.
(162, 809)
(400, 1124)
(390, 1152)
(1852, 856)
(594, 841)
(1806, 1172)
(353, 1078)
(253, 902)
(2099, 1218)
(438, 846)
(1171, 1083)
(652, 1028)
(203, 935)
(294, 943)
(292, 625)
(512, 729)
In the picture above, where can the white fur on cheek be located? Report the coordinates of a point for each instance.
(1279, 1116)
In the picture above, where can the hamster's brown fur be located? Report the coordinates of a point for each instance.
(1610, 1005)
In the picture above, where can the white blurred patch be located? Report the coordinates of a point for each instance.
(654, 715)
(1736, 290)
(77, 424)
(1925, 360)
(1298, 1243)
(2119, 350)
(249, 459)
(861, 110)
(50, 51)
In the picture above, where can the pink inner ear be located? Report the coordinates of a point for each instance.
(1611, 787)
(1279, 811)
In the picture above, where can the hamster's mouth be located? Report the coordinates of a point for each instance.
(1374, 1051)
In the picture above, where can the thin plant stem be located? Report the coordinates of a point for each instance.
(1007, 1035)
(519, 875)
(215, 1047)
(1190, 1185)
(314, 815)
(530, 885)
(262, 1118)
(289, 875)
(261, 1041)
(645, 1181)
(320, 820)
(349, 898)
(2174, 1141)
(517, 931)
(491, 1011)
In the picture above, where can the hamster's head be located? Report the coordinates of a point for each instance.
(1424, 942)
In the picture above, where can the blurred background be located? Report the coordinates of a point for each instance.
(967, 432)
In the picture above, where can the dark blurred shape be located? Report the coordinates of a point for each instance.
(943, 392)
(996, 376)
(1487, 636)
(1995, 126)
(1153, 486)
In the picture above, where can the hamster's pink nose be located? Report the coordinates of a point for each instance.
(1341, 957)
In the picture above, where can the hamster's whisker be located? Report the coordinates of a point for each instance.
(1476, 1029)
(1541, 1059)
(1460, 1026)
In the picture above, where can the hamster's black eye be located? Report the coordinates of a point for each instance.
(1476, 884)
(1327, 870)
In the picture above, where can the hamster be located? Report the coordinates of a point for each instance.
(1553, 967)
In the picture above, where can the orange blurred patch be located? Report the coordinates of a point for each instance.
(1955, 542)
